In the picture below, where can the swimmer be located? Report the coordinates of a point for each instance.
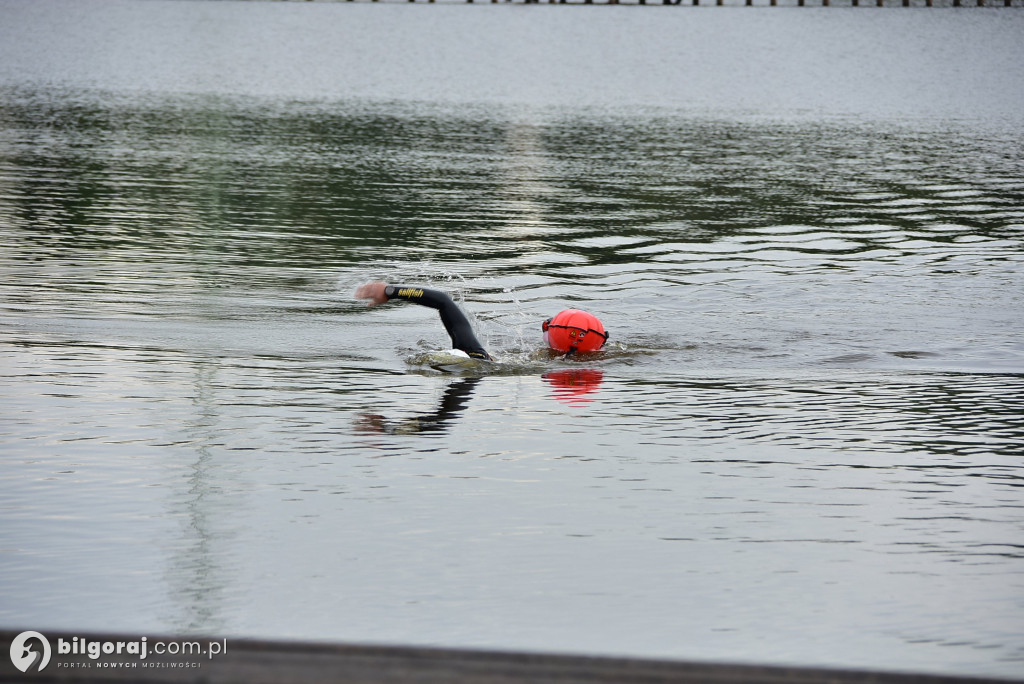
(455, 322)
(570, 332)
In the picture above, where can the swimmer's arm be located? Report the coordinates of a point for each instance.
(379, 293)
(455, 322)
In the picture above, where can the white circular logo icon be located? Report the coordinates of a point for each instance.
(24, 657)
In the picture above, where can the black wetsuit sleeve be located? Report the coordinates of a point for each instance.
(455, 322)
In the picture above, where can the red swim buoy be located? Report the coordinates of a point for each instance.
(574, 330)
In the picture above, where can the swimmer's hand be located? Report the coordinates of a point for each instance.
(373, 291)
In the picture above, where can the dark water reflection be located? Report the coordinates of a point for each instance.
(252, 177)
(802, 445)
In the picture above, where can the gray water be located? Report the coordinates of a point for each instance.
(802, 227)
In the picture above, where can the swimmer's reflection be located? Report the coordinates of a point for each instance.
(570, 385)
(455, 399)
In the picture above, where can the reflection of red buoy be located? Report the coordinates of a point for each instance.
(569, 385)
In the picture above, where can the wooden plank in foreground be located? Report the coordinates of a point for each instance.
(247, 661)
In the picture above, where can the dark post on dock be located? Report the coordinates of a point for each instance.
(109, 658)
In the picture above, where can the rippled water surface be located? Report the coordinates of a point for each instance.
(802, 444)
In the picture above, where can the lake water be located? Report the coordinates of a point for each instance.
(804, 229)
